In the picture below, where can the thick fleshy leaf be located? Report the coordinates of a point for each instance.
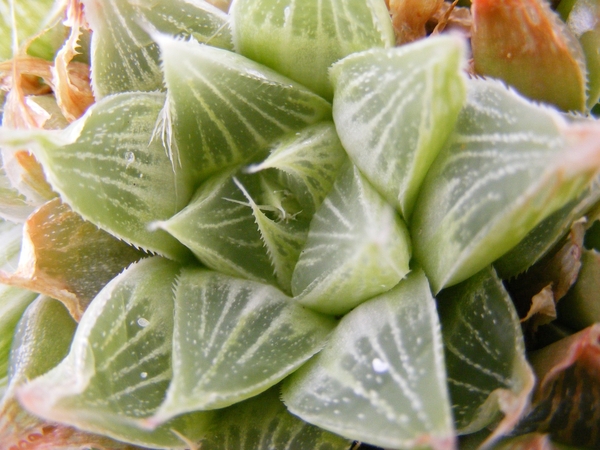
(508, 165)
(394, 109)
(14, 206)
(119, 366)
(583, 19)
(381, 378)
(67, 258)
(319, 32)
(230, 110)
(11, 236)
(219, 227)
(307, 163)
(124, 56)
(565, 403)
(524, 43)
(41, 341)
(30, 17)
(13, 302)
(234, 339)
(485, 355)
(580, 308)
(357, 247)
(546, 235)
(283, 240)
(110, 170)
(263, 423)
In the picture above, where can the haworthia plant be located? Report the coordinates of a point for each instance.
(110, 170)
(394, 109)
(234, 339)
(505, 168)
(381, 377)
(265, 30)
(119, 366)
(485, 354)
(357, 247)
(124, 56)
(230, 110)
(263, 423)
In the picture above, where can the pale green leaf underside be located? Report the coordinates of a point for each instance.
(13, 302)
(11, 235)
(394, 109)
(224, 108)
(545, 235)
(234, 339)
(119, 365)
(41, 340)
(263, 423)
(14, 206)
(484, 350)
(320, 32)
(124, 56)
(219, 227)
(503, 170)
(381, 378)
(307, 163)
(30, 19)
(116, 176)
(357, 247)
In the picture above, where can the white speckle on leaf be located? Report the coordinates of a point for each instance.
(143, 322)
(380, 366)
(144, 375)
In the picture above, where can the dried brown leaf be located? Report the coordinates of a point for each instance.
(410, 16)
(565, 403)
(67, 258)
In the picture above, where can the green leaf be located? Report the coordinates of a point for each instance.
(230, 110)
(11, 235)
(219, 227)
(124, 56)
(508, 165)
(319, 32)
(233, 340)
(357, 247)
(583, 19)
(381, 378)
(119, 366)
(544, 236)
(14, 206)
(394, 109)
(307, 164)
(487, 370)
(30, 18)
(263, 423)
(13, 302)
(112, 172)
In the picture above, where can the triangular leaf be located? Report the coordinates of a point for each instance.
(507, 166)
(124, 56)
(381, 378)
(320, 32)
(119, 365)
(233, 108)
(485, 355)
(357, 247)
(263, 423)
(116, 176)
(394, 109)
(219, 227)
(307, 163)
(234, 339)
